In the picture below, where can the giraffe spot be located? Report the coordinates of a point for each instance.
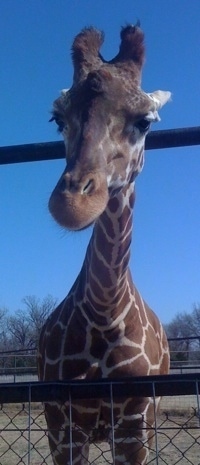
(135, 405)
(96, 290)
(98, 345)
(151, 343)
(52, 371)
(95, 372)
(141, 158)
(77, 325)
(104, 271)
(85, 413)
(122, 354)
(54, 417)
(75, 368)
(122, 260)
(111, 335)
(65, 310)
(164, 369)
(132, 199)
(130, 366)
(92, 314)
(73, 344)
(57, 334)
(114, 205)
(108, 225)
(115, 296)
(125, 221)
(106, 410)
(108, 250)
(133, 329)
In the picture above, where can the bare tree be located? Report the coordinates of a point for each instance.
(37, 313)
(196, 319)
(180, 328)
(19, 330)
(4, 342)
(185, 329)
(23, 328)
(195, 355)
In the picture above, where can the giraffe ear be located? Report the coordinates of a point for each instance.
(64, 92)
(152, 116)
(159, 97)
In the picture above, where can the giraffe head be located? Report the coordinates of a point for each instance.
(104, 119)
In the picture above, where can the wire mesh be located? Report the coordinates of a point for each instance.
(175, 430)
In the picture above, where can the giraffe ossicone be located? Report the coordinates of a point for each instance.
(103, 328)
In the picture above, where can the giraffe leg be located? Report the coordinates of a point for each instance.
(132, 435)
(69, 444)
(131, 447)
(130, 451)
(67, 449)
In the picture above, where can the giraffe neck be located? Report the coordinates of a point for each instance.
(104, 277)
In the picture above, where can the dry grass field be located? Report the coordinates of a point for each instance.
(23, 436)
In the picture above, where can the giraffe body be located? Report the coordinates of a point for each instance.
(103, 329)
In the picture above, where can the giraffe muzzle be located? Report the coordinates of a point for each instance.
(76, 203)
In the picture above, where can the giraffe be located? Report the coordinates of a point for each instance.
(103, 328)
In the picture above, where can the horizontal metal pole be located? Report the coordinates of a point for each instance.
(189, 338)
(165, 385)
(55, 150)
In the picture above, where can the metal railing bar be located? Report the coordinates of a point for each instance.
(165, 385)
(29, 427)
(167, 138)
(112, 423)
(18, 351)
(183, 338)
(156, 428)
(198, 401)
(70, 429)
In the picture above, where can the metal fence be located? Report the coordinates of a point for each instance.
(18, 365)
(176, 431)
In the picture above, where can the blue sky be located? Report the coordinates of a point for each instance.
(38, 257)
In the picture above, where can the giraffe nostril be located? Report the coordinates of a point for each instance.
(68, 183)
(88, 187)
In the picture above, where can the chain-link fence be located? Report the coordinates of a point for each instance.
(24, 436)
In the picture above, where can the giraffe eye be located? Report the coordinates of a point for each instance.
(61, 125)
(143, 125)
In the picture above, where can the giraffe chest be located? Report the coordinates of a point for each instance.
(76, 347)
(95, 354)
